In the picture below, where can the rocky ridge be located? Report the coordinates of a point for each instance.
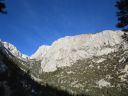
(93, 64)
(14, 50)
(66, 51)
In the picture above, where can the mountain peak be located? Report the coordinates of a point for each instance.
(88, 63)
(67, 50)
(14, 50)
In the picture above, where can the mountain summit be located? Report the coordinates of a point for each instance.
(88, 64)
(66, 51)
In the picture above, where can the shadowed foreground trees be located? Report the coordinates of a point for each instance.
(15, 82)
(2, 7)
(122, 14)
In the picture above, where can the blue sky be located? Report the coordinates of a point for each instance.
(31, 23)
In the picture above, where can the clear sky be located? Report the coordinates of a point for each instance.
(31, 23)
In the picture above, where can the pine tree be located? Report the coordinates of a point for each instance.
(122, 14)
(2, 7)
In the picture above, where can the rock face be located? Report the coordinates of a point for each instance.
(66, 51)
(40, 53)
(16, 82)
(93, 64)
(14, 50)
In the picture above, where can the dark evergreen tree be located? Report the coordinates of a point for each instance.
(122, 14)
(2, 7)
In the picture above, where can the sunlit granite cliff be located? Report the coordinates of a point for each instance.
(88, 64)
(66, 51)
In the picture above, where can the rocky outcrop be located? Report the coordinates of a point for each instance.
(40, 53)
(92, 64)
(66, 51)
(16, 82)
(14, 50)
